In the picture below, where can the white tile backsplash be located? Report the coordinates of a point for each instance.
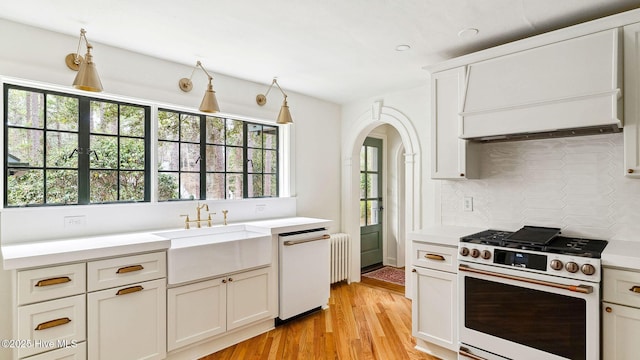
(577, 184)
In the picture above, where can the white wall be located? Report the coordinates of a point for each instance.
(36, 55)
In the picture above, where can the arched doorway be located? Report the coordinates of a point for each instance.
(410, 203)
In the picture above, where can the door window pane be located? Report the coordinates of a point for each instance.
(372, 212)
(372, 158)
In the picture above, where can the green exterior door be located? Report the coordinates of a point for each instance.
(371, 202)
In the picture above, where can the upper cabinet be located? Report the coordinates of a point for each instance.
(632, 99)
(451, 157)
(571, 85)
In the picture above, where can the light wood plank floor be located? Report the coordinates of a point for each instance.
(363, 322)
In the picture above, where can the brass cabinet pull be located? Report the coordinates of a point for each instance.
(414, 270)
(129, 290)
(128, 269)
(608, 309)
(434, 257)
(230, 279)
(224, 281)
(53, 281)
(630, 171)
(53, 323)
(635, 289)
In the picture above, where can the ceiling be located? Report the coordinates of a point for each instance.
(334, 50)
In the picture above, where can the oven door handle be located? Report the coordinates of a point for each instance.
(584, 289)
(465, 352)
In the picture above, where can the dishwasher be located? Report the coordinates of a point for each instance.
(304, 272)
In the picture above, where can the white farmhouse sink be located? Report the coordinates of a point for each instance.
(207, 252)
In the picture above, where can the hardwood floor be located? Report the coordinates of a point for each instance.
(362, 322)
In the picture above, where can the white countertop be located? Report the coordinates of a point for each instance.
(622, 254)
(43, 253)
(284, 225)
(58, 251)
(443, 235)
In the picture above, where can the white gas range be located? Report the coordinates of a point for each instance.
(530, 294)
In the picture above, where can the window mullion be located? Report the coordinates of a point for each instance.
(84, 129)
(245, 162)
(203, 157)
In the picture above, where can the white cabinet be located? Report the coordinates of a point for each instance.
(632, 100)
(208, 308)
(127, 321)
(74, 351)
(435, 293)
(52, 311)
(620, 314)
(436, 311)
(451, 157)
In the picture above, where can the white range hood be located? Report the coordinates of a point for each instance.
(567, 88)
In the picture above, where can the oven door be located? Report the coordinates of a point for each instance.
(523, 315)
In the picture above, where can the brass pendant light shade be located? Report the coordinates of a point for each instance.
(209, 102)
(87, 78)
(284, 117)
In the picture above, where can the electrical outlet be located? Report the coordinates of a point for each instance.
(75, 221)
(467, 203)
(260, 208)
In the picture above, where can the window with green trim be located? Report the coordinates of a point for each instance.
(209, 157)
(65, 149)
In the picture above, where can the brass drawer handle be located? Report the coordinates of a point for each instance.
(434, 257)
(635, 289)
(53, 323)
(129, 290)
(53, 281)
(128, 269)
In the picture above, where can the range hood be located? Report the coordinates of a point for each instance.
(567, 88)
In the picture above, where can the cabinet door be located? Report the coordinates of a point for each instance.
(127, 322)
(632, 100)
(195, 312)
(448, 152)
(620, 332)
(250, 298)
(434, 310)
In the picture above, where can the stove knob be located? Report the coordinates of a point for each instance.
(486, 254)
(588, 269)
(556, 264)
(571, 267)
(475, 253)
(464, 251)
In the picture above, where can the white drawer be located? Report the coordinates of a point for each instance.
(438, 257)
(104, 274)
(49, 324)
(51, 283)
(621, 287)
(77, 351)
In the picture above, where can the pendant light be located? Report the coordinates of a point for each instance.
(87, 77)
(284, 117)
(209, 102)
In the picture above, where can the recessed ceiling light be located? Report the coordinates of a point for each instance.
(468, 32)
(403, 47)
